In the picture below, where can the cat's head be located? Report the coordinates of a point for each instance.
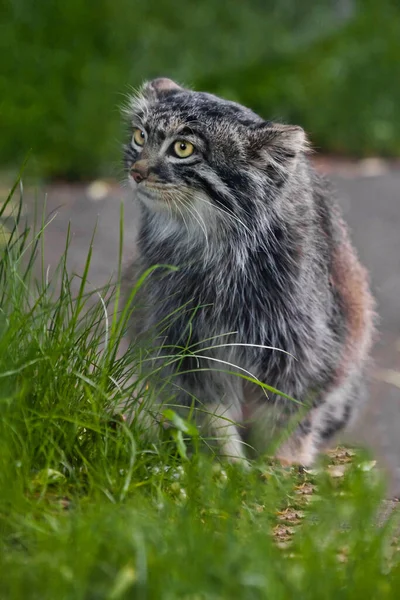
(198, 157)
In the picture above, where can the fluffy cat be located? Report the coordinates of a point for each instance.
(265, 281)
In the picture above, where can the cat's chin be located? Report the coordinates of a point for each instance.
(152, 198)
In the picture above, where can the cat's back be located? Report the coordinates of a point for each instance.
(348, 278)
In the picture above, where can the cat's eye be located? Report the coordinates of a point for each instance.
(138, 137)
(183, 149)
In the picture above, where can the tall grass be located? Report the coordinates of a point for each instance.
(92, 508)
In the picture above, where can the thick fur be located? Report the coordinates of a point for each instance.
(262, 259)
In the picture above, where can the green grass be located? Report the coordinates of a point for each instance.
(331, 67)
(91, 508)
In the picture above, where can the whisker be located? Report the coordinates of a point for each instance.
(225, 212)
(178, 201)
(200, 222)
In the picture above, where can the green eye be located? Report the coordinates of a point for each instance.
(183, 149)
(138, 137)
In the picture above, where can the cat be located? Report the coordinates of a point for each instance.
(259, 280)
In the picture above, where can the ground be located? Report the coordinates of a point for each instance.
(90, 508)
(369, 193)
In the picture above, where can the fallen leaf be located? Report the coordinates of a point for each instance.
(283, 532)
(341, 455)
(290, 515)
(305, 489)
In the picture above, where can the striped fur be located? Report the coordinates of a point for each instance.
(263, 259)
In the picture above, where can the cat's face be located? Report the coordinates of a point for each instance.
(195, 156)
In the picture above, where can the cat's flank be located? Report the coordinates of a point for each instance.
(266, 283)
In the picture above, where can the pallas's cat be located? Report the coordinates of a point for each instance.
(265, 286)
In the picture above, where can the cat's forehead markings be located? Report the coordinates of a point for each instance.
(168, 125)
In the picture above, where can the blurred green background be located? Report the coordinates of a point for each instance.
(331, 66)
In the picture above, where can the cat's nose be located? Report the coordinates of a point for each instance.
(140, 170)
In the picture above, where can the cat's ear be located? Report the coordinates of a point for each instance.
(160, 86)
(276, 148)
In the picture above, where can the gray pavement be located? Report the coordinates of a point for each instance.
(371, 205)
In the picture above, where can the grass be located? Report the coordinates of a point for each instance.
(91, 508)
(331, 67)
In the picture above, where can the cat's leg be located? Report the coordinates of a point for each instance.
(222, 422)
(322, 423)
(301, 447)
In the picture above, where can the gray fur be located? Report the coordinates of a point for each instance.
(262, 260)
